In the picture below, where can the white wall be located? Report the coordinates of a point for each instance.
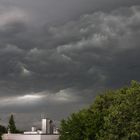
(49, 137)
(21, 137)
(29, 137)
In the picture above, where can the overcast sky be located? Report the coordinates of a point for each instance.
(57, 55)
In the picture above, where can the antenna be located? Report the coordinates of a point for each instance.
(42, 116)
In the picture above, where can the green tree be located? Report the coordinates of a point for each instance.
(12, 125)
(114, 115)
(2, 131)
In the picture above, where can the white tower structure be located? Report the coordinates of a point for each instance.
(46, 126)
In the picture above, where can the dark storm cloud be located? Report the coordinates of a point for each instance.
(63, 66)
(60, 11)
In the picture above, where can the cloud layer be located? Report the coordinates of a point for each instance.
(60, 68)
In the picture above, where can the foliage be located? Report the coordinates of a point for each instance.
(114, 115)
(2, 131)
(12, 125)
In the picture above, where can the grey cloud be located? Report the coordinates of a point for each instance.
(60, 11)
(92, 54)
(67, 63)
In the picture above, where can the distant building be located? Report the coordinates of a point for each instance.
(48, 132)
